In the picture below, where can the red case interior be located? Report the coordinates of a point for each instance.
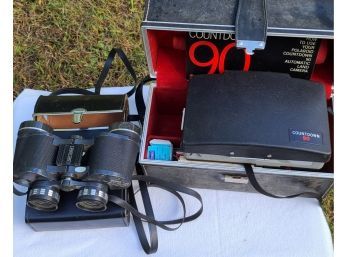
(168, 56)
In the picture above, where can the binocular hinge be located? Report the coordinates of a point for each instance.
(69, 155)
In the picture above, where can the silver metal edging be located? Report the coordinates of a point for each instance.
(255, 161)
(148, 52)
(34, 128)
(86, 113)
(322, 30)
(147, 9)
(269, 33)
(79, 129)
(189, 23)
(232, 26)
(187, 29)
(146, 122)
(319, 36)
(237, 168)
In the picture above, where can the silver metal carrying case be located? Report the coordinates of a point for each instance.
(182, 38)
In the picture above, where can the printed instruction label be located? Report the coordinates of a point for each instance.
(216, 52)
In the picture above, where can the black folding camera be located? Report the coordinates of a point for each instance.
(261, 118)
(48, 164)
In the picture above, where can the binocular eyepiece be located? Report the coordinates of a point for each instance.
(48, 164)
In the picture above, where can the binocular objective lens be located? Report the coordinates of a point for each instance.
(43, 197)
(92, 199)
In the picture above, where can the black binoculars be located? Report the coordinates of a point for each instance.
(47, 164)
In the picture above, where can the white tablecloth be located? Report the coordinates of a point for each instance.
(232, 223)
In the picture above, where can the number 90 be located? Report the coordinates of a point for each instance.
(218, 60)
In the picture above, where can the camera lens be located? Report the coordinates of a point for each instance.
(92, 198)
(44, 196)
(114, 154)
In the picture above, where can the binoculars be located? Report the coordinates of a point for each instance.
(48, 164)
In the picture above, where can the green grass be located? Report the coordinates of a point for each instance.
(328, 207)
(62, 43)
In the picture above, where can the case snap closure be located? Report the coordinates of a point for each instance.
(77, 115)
(235, 179)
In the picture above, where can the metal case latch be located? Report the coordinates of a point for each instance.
(77, 115)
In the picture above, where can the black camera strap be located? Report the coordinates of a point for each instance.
(72, 90)
(99, 84)
(107, 66)
(137, 89)
(151, 245)
(139, 98)
(253, 181)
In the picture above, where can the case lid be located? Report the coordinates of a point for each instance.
(296, 18)
(76, 111)
(91, 103)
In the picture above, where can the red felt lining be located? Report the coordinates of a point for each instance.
(166, 115)
(323, 70)
(169, 96)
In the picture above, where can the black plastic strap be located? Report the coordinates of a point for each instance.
(72, 90)
(151, 245)
(133, 117)
(139, 98)
(137, 89)
(257, 187)
(102, 76)
(251, 25)
(107, 66)
(174, 187)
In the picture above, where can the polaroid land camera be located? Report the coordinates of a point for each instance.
(261, 118)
